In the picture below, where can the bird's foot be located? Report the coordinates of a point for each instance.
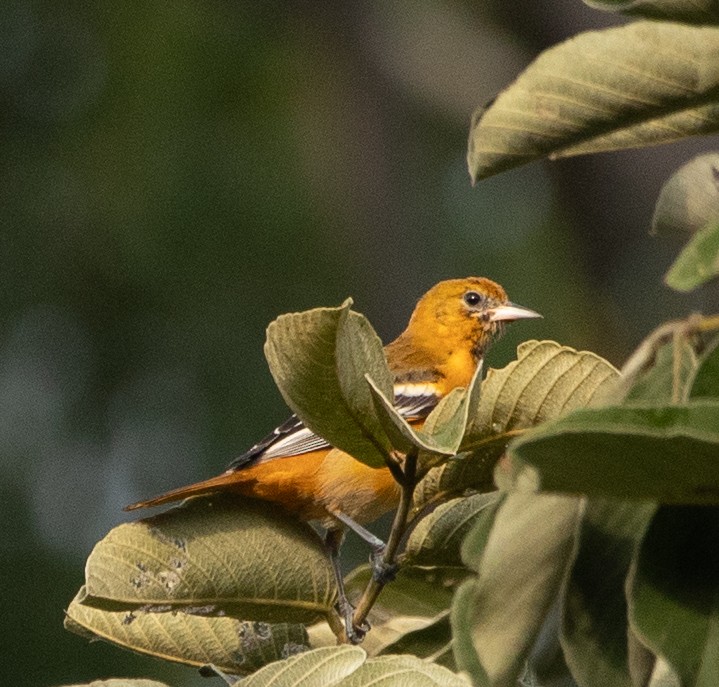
(355, 634)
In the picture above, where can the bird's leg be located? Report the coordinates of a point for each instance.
(333, 539)
(381, 571)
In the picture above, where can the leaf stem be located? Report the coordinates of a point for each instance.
(644, 356)
(399, 524)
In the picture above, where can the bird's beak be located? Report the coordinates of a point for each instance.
(510, 312)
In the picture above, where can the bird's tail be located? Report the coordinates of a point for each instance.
(207, 486)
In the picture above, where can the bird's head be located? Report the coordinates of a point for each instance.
(473, 310)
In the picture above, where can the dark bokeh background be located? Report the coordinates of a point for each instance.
(176, 174)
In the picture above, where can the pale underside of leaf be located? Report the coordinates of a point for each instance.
(437, 538)
(325, 666)
(689, 200)
(402, 671)
(641, 84)
(234, 646)
(120, 682)
(546, 381)
(345, 666)
(214, 556)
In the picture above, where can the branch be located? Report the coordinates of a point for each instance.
(389, 556)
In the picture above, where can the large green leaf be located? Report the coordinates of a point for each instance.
(595, 632)
(699, 11)
(636, 85)
(674, 592)
(546, 381)
(520, 563)
(437, 538)
(214, 556)
(120, 682)
(665, 453)
(232, 645)
(325, 666)
(319, 359)
(345, 666)
(402, 671)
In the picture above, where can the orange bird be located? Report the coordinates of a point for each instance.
(447, 336)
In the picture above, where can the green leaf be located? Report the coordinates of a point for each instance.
(520, 568)
(705, 383)
(319, 359)
(699, 11)
(594, 626)
(437, 538)
(419, 592)
(120, 682)
(348, 666)
(546, 381)
(326, 666)
(689, 200)
(214, 556)
(448, 423)
(641, 84)
(668, 454)
(465, 471)
(402, 671)
(698, 262)
(668, 380)
(442, 431)
(401, 434)
(674, 592)
(234, 646)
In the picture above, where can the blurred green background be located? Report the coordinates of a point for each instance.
(176, 174)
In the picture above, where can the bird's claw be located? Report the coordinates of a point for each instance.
(355, 633)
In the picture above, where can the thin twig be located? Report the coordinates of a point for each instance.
(677, 350)
(646, 352)
(389, 558)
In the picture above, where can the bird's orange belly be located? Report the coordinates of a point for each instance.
(313, 485)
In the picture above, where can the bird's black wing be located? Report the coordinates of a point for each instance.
(413, 400)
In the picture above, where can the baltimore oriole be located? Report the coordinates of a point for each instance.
(447, 336)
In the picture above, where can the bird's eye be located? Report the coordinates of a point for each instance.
(472, 298)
